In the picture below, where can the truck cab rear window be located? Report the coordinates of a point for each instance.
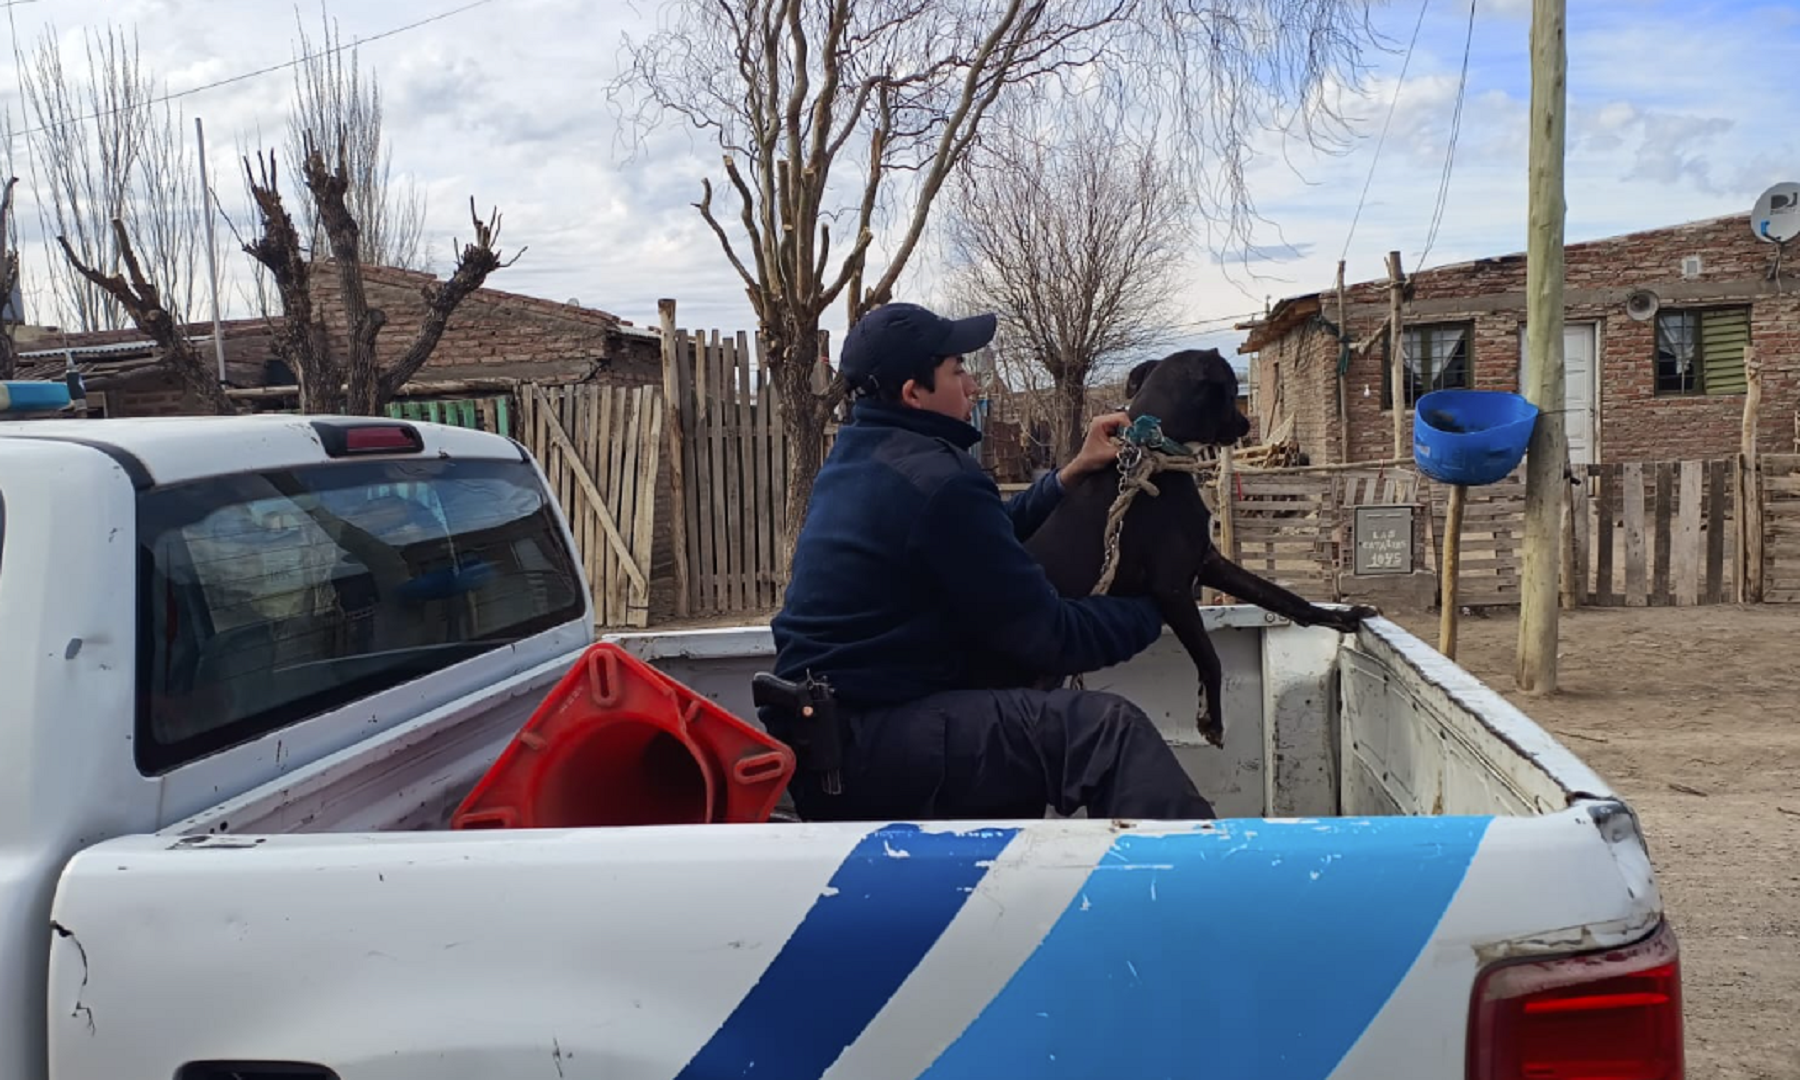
(266, 598)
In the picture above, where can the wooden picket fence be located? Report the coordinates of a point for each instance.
(600, 448)
(732, 481)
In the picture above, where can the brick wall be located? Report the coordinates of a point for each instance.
(496, 333)
(1634, 422)
(1297, 379)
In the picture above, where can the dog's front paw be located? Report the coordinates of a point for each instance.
(1349, 621)
(1212, 729)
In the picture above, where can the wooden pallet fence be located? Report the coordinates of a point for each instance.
(1779, 485)
(734, 473)
(1653, 534)
(600, 448)
(1493, 539)
(1281, 528)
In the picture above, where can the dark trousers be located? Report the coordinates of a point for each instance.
(1004, 754)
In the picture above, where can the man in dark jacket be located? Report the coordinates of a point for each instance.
(909, 567)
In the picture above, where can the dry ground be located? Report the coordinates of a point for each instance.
(1705, 698)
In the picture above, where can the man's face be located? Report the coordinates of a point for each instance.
(955, 393)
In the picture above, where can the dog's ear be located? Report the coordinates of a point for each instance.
(1135, 381)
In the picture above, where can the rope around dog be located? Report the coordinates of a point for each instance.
(1144, 451)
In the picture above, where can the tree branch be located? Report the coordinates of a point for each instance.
(479, 259)
(328, 187)
(141, 303)
(299, 341)
(705, 208)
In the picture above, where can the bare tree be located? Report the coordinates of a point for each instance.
(1077, 238)
(853, 114)
(356, 383)
(142, 302)
(335, 100)
(110, 151)
(167, 213)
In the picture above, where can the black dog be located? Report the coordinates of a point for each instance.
(1165, 544)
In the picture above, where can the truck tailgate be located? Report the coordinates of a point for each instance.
(1342, 947)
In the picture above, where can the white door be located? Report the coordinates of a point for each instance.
(1580, 399)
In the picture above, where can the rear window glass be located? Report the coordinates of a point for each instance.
(270, 597)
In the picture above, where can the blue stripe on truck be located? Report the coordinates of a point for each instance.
(885, 908)
(1250, 948)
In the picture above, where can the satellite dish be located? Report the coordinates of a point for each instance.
(1776, 217)
(1641, 305)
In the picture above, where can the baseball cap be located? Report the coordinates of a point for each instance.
(895, 342)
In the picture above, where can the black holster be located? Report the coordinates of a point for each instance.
(810, 718)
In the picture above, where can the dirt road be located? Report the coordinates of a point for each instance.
(1708, 699)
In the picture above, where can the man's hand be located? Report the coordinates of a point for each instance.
(1098, 452)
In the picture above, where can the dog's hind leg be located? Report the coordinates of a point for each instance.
(1183, 617)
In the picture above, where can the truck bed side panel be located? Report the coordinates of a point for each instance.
(1423, 736)
(1304, 949)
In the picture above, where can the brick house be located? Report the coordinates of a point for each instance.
(493, 334)
(1666, 387)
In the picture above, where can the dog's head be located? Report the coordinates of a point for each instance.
(1193, 393)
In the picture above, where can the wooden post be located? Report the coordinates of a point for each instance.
(678, 523)
(1227, 515)
(1749, 490)
(1343, 392)
(1547, 463)
(1449, 569)
(1397, 351)
(1570, 555)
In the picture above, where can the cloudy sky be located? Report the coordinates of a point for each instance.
(1679, 110)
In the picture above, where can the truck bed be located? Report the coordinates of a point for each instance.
(1392, 830)
(1317, 725)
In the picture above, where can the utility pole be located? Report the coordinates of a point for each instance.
(212, 264)
(1547, 460)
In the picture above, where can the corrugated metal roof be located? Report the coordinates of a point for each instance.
(98, 350)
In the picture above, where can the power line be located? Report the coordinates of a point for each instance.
(1423, 7)
(1443, 195)
(1220, 322)
(297, 61)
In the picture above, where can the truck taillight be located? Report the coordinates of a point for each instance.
(344, 438)
(1612, 1015)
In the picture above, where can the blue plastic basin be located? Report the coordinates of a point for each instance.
(32, 396)
(1471, 437)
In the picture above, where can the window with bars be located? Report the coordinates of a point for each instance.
(1437, 358)
(1701, 350)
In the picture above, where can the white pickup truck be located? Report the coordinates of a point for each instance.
(251, 665)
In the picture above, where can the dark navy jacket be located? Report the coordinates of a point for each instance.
(909, 566)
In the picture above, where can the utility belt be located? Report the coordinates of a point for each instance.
(809, 717)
